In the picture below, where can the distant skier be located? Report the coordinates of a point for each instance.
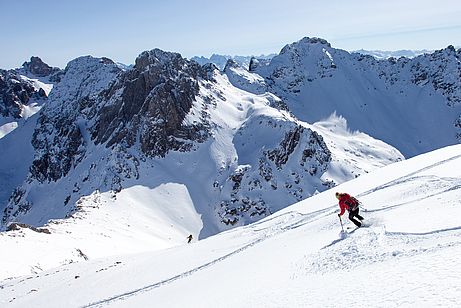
(347, 202)
(189, 238)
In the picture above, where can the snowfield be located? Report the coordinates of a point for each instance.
(408, 253)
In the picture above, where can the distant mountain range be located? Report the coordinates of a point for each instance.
(221, 60)
(381, 54)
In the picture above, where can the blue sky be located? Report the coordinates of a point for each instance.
(59, 31)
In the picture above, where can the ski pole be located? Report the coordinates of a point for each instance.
(341, 221)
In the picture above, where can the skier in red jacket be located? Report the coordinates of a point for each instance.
(346, 202)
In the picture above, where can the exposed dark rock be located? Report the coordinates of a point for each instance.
(280, 155)
(440, 70)
(15, 93)
(16, 205)
(17, 226)
(230, 63)
(309, 156)
(458, 126)
(61, 145)
(39, 68)
(155, 97)
(316, 153)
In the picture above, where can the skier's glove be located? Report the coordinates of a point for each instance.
(339, 215)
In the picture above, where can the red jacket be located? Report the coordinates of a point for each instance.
(346, 202)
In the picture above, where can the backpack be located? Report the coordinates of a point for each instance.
(352, 203)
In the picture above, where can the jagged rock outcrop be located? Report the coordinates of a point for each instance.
(15, 94)
(18, 226)
(439, 71)
(149, 103)
(39, 68)
(257, 62)
(60, 139)
(97, 104)
(220, 60)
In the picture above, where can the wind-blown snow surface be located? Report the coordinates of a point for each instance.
(407, 255)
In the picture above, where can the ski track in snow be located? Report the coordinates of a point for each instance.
(394, 206)
(275, 230)
(407, 177)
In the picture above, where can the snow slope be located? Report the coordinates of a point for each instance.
(407, 255)
(16, 156)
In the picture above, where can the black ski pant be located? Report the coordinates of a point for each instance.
(353, 214)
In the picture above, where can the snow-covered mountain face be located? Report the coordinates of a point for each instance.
(412, 104)
(24, 91)
(172, 126)
(58, 139)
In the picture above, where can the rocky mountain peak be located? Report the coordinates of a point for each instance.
(304, 45)
(229, 64)
(313, 40)
(39, 68)
(149, 103)
(154, 57)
